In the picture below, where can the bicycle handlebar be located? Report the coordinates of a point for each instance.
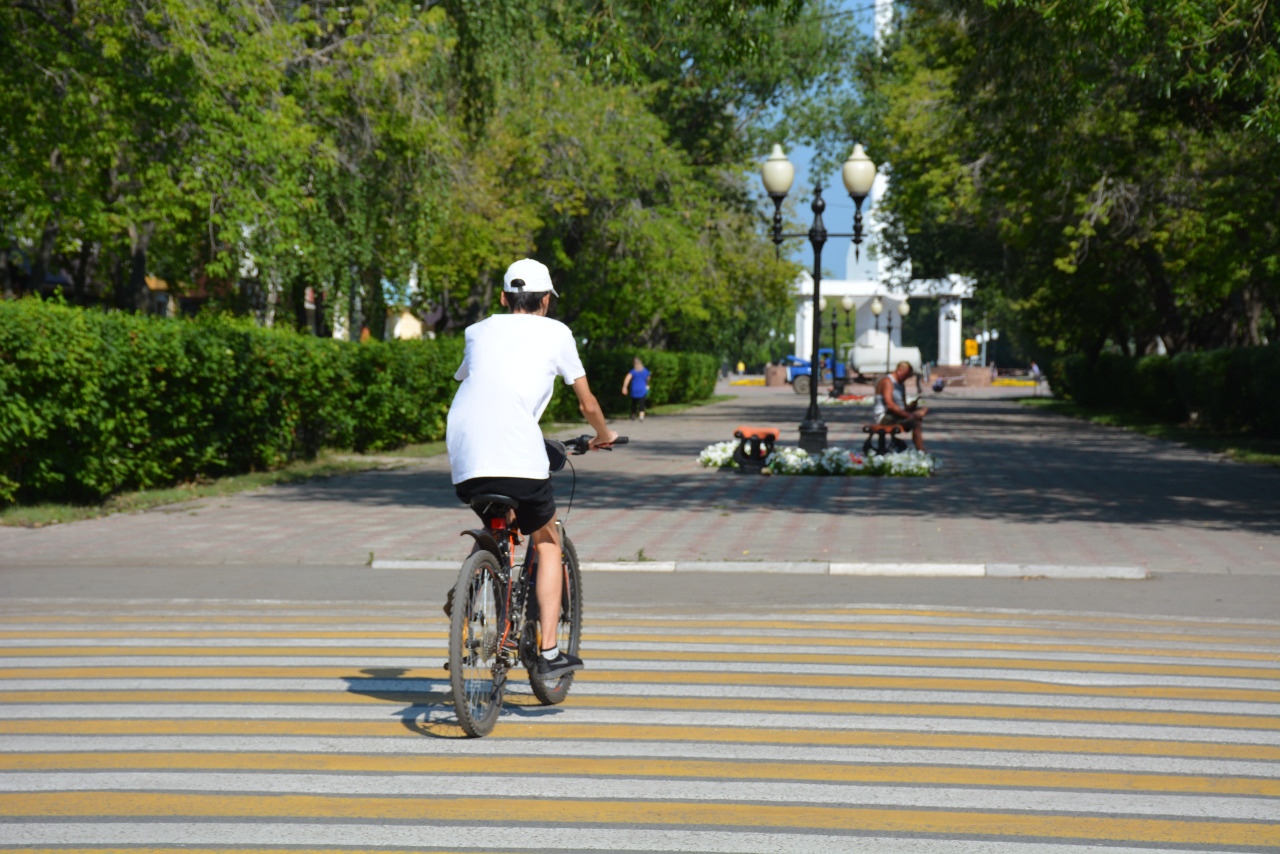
(582, 444)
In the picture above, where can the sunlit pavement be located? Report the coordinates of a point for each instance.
(1017, 486)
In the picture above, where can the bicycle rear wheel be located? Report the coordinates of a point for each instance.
(475, 632)
(568, 632)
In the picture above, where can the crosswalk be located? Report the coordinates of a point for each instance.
(272, 726)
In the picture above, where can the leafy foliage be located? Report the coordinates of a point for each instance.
(387, 152)
(1227, 389)
(94, 403)
(1106, 170)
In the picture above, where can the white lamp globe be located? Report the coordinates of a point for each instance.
(904, 307)
(859, 173)
(777, 173)
(846, 302)
(876, 306)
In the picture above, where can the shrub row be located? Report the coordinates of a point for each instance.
(93, 403)
(675, 378)
(1220, 389)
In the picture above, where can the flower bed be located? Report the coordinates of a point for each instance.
(847, 400)
(832, 461)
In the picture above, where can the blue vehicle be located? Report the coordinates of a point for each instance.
(799, 371)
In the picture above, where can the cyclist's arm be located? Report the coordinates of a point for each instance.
(591, 410)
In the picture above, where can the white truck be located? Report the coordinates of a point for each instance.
(873, 354)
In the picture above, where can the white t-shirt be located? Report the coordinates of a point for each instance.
(508, 372)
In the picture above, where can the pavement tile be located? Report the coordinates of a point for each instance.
(1018, 486)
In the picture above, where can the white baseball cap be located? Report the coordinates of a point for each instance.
(528, 276)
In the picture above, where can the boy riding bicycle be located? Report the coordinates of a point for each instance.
(508, 374)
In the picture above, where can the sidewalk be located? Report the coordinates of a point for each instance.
(1018, 486)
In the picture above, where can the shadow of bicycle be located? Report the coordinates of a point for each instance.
(428, 702)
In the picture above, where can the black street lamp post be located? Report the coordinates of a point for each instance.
(858, 174)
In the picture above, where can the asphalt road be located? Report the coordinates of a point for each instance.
(1182, 594)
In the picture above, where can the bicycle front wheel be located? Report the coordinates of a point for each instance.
(475, 633)
(568, 631)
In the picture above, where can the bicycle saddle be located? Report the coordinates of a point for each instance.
(488, 499)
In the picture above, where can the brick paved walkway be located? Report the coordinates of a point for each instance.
(1018, 486)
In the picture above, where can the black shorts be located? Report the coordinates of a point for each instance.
(537, 499)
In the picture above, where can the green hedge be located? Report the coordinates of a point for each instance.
(675, 378)
(1224, 389)
(93, 403)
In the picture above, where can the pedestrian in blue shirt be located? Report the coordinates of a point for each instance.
(636, 386)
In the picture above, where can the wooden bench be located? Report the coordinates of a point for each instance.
(755, 444)
(883, 438)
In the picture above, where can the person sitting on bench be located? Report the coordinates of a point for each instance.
(891, 405)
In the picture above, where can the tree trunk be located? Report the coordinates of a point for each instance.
(136, 297)
(6, 276)
(44, 252)
(375, 313)
(1171, 321)
(85, 264)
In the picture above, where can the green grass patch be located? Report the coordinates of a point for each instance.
(327, 464)
(416, 452)
(1242, 447)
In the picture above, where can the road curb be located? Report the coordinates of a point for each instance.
(883, 570)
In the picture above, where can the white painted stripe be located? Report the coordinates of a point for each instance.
(72, 745)
(431, 836)
(959, 674)
(962, 570)
(415, 564)
(263, 608)
(1019, 570)
(743, 652)
(742, 566)
(629, 566)
(417, 664)
(569, 714)
(597, 623)
(994, 570)
(429, 687)
(552, 785)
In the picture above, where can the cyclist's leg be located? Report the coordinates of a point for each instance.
(550, 583)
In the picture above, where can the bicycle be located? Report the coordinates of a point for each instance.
(494, 608)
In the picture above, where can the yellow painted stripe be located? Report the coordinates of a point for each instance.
(656, 813)
(265, 634)
(693, 640)
(365, 653)
(554, 731)
(716, 704)
(922, 775)
(1022, 616)
(1257, 635)
(644, 677)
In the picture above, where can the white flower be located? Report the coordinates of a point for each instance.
(719, 455)
(832, 461)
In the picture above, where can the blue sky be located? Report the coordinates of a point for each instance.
(838, 217)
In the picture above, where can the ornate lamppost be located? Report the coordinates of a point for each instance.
(778, 173)
(904, 308)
